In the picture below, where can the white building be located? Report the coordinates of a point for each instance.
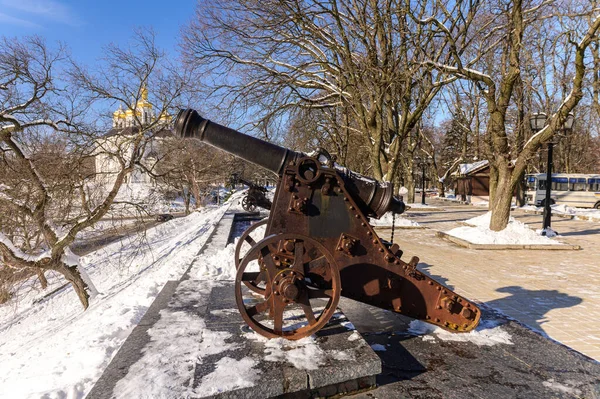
(119, 141)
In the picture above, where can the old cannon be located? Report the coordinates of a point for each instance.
(318, 245)
(256, 196)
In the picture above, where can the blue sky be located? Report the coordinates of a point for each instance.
(88, 25)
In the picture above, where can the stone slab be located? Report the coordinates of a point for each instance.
(470, 245)
(432, 366)
(346, 362)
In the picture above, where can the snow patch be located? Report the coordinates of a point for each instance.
(579, 213)
(515, 233)
(229, 374)
(487, 333)
(466, 168)
(303, 354)
(386, 220)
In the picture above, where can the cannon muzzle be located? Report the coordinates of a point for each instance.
(262, 153)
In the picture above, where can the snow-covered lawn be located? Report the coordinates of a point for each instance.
(515, 233)
(50, 347)
(386, 221)
(579, 213)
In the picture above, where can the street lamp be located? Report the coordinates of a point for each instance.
(423, 162)
(537, 121)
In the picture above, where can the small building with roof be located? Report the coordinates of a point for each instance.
(472, 181)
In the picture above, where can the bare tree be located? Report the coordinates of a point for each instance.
(191, 168)
(35, 93)
(361, 60)
(495, 65)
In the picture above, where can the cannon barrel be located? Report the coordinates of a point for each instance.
(374, 198)
(262, 153)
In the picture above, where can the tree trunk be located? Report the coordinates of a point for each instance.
(410, 186)
(493, 184)
(74, 277)
(186, 202)
(42, 278)
(521, 188)
(440, 187)
(501, 201)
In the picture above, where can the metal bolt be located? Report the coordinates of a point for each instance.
(363, 224)
(357, 216)
(437, 319)
(438, 288)
(430, 282)
(467, 313)
(380, 249)
(351, 208)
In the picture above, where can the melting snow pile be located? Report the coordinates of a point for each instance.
(579, 213)
(386, 221)
(487, 333)
(515, 233)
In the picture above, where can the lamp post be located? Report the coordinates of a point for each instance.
(423, 162)
(537, 121)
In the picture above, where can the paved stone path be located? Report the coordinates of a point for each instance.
(556, 292)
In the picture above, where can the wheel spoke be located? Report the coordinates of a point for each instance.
(268, 261)
(250, 241)
(298, 257)
(308, 312)
(278, 307)
(256, 309)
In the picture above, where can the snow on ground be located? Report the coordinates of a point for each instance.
(515, 233)
(416, 205)
(487, 333)
(579, 213)
(53, 348)
(178, 341)
(386, 221)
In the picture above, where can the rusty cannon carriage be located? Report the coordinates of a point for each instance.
(256, 196)
(317, 245)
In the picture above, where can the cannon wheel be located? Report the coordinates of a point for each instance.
(249, 204)
(285, 309)
(248, 238)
